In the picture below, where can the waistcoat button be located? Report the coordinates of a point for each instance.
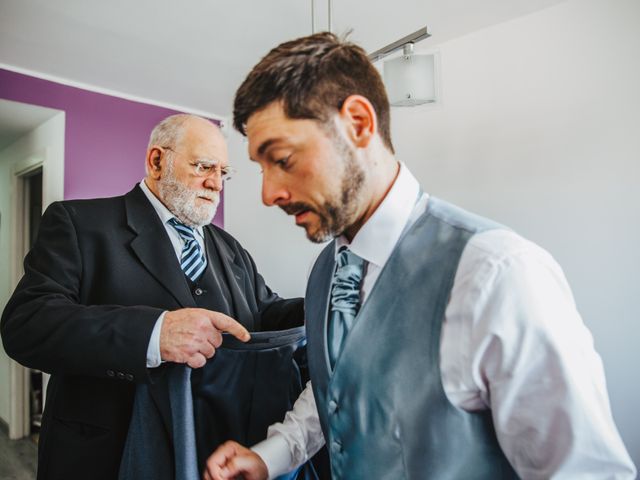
(336, 447)
(198, 291)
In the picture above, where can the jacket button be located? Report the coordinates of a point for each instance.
(120, 376)
(111, 373)
(128, 377)
(198, 291)
(333, 406)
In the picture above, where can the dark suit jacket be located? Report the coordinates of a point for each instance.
(99, 275)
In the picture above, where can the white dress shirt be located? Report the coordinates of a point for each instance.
(512, 341)
(153, 350)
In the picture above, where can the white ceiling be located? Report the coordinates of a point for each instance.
(195, 53)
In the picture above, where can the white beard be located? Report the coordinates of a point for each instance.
(182, 201)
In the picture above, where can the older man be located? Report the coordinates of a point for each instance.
(116, 289)
(441, 345)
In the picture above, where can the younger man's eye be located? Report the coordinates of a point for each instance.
(283, 162)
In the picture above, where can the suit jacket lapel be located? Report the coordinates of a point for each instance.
(153, 247)
(235, 275)
(159, 393)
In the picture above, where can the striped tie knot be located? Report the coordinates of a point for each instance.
(185, 232)
(192, 259)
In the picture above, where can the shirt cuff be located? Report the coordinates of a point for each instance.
(153, 350)
(275, 453)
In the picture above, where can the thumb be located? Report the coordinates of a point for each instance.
(243, 465)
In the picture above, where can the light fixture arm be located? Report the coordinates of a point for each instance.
(405, 42)
(329, 16)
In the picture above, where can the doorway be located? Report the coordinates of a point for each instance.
(27, 385)
(31, 178)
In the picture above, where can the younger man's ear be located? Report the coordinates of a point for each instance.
(361, 119)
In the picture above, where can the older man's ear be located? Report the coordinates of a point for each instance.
(153, 163)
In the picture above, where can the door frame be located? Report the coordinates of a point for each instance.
(52, 177)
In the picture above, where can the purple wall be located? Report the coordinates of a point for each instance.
(105, 137)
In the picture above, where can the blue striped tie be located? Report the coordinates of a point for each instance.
(345, 300)
(192, 259)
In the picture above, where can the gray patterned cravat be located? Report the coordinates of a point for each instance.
(345, 300)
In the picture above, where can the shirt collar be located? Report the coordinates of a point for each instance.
(163, 212)
(377, 238)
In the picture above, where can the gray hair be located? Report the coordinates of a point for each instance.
(169, 131)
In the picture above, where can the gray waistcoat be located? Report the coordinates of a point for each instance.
(383, 410)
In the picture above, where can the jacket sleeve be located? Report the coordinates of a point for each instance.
(275, 313)
(45, 325)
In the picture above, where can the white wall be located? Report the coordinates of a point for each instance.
(280, 248)
(539, 128)
(46, 141)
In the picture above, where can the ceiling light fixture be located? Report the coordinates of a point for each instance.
(409, 78)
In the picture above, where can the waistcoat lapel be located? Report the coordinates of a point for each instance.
(316, 307)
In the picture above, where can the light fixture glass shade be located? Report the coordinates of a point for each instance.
(409, 80)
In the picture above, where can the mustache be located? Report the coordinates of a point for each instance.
(296, 207)
(207, 194)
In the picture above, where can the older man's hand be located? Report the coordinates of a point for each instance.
(231, 460)
(192, 335)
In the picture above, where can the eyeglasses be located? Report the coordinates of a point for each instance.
(205, 167)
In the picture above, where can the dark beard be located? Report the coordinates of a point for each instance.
(337, 215)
